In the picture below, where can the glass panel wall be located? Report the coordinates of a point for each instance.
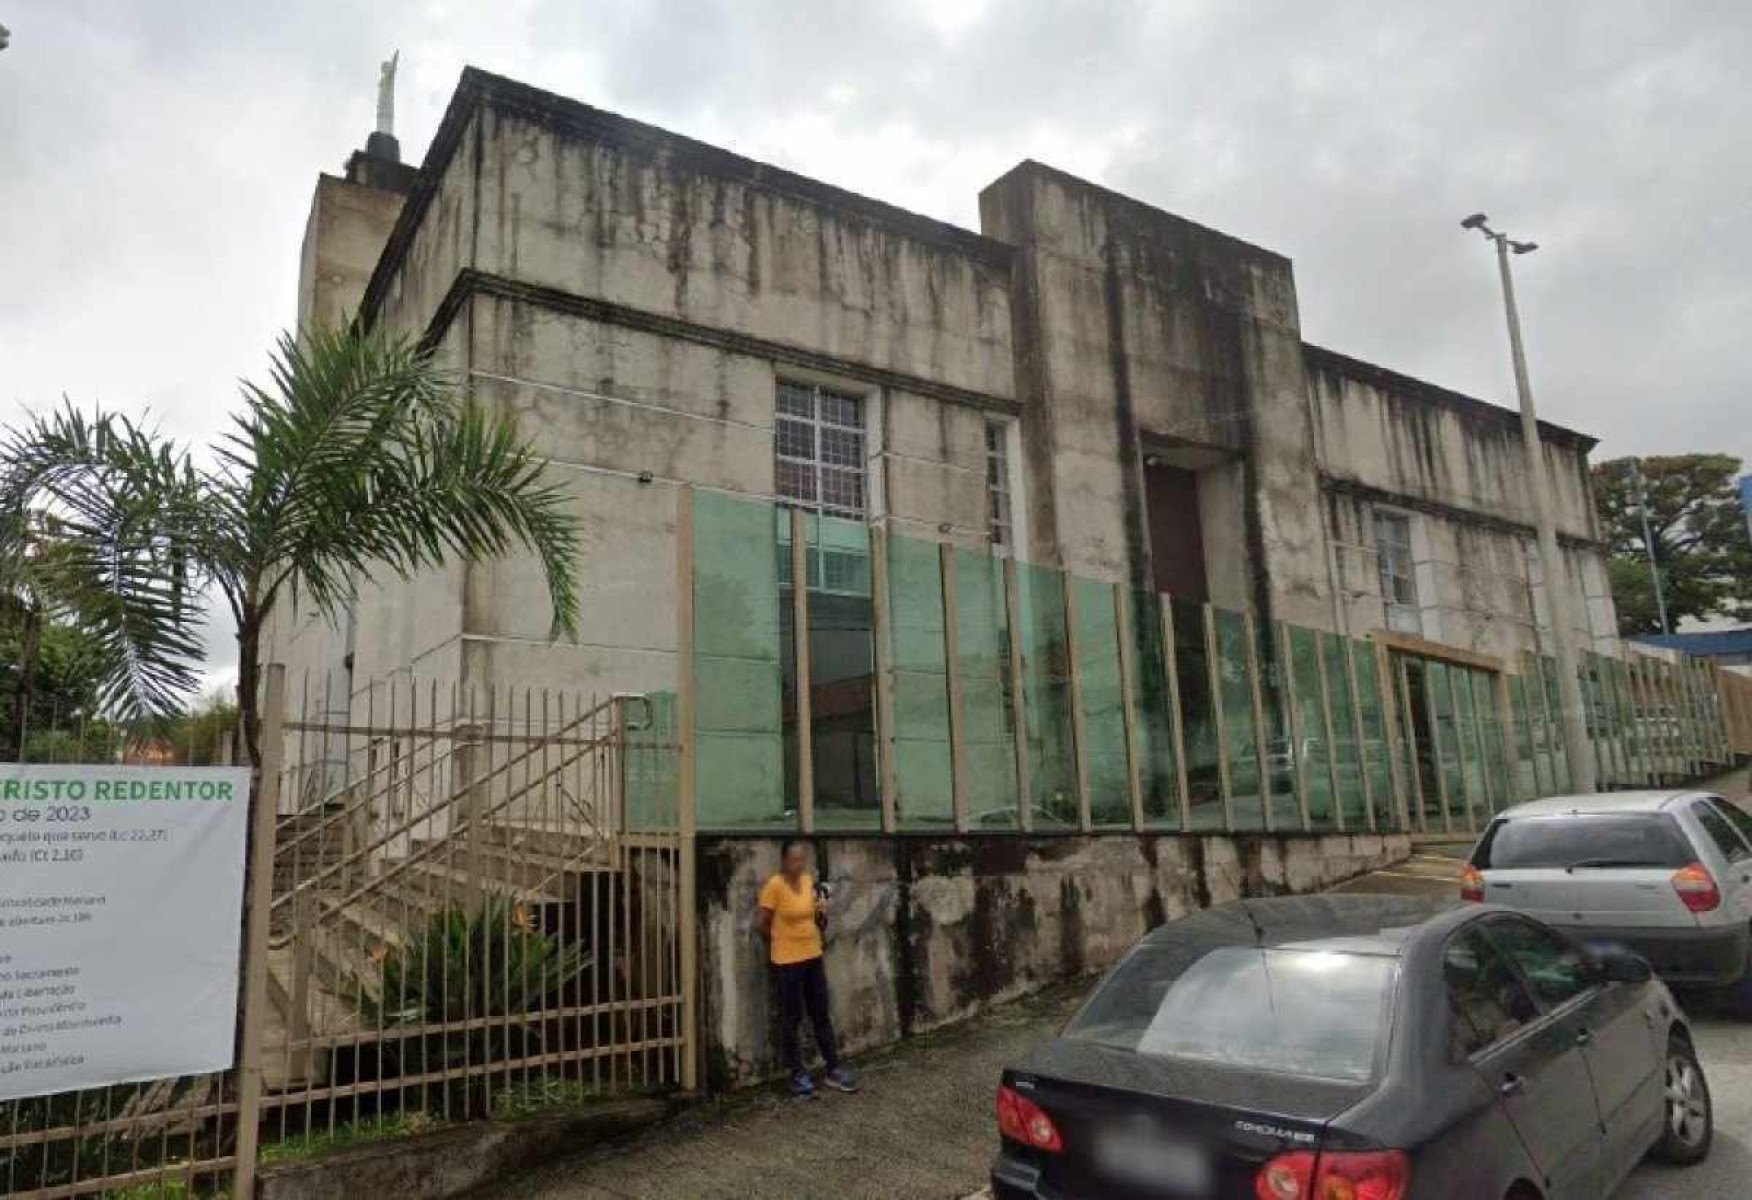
(987, 699)
(1098, 682)
(923, 779)
(737, 667)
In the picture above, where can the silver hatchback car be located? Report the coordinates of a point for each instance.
(1667, 873)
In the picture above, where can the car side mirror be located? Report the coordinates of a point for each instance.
(1620, 965)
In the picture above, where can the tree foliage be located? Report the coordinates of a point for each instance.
(356, 459)
(1701, 545)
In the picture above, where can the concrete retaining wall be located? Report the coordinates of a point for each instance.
(930, 930)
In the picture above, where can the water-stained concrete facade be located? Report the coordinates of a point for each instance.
(635, 298)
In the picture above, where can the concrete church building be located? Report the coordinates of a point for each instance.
(1087, 385)
(1087, 382)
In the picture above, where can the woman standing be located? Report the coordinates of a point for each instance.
(791, 919)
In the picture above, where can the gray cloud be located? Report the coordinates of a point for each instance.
(156, 163)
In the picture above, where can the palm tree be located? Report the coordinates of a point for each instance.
(357, 459)
(35, 590)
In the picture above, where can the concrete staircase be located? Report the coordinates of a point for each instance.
(342, 927)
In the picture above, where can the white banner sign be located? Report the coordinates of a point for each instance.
(121, 895)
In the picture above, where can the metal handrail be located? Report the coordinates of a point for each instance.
(459, 795)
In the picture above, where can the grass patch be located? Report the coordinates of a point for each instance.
(345, 1137)
(539, 1096)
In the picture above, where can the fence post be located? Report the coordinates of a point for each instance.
(882, 631)
(804, 716)
(1293, 711)
(1329, 732)
(1122, 625)
(1256, 700)
(1360, 735)
(1176, 720)
(958, 787)
(1219, 724)
(259, 902)
(1079, 730)
(686, 813)
(1018, 701)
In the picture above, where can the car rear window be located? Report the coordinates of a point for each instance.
(1593, 839)
(1301, 1012)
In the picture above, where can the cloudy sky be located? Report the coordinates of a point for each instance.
(157, 160)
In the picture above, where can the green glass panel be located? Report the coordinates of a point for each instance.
(1046, 685)
(923, 775)
(983, 667)
(1446, 748)
(1153, 729)
(1528, 777)
(1347, 754)
(1251, 786)
(1490, 730)
(842, 674)
(1471, 806)
(1375, 748)
(1103, 727)
(1562, 780)
(737, 710)
(1303, 665)
(1198, 716)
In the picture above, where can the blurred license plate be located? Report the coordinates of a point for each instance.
(1155, 1158)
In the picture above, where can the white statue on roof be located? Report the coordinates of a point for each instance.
(386, 95)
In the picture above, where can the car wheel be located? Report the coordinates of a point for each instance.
(1689, 1118)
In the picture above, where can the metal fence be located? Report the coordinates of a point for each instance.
(464, 902)
(850, 677)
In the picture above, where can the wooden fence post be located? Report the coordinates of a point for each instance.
(804, 716)
(686, 810)
(1177, 723)
(1122, 627)
(958, 783)
(882, 631)
(259, 899)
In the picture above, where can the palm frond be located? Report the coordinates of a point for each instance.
(128, 516)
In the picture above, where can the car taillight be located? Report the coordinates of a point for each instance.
(1334, 1175)
(1471, 884)
(1022, 1120)
(1696, 889)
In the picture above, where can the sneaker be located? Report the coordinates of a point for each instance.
(802, 1086)
(841, 1080)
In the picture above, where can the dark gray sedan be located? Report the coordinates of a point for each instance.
(1356, 1048)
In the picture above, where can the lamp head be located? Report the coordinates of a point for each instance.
(1475, 221)
(1523, 247)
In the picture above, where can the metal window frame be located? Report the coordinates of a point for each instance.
(818, 422)
(1000, 494)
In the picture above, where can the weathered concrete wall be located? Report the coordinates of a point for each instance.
(1456, 465)
(1133, 323)
(664, 225)
(343, 236)
(926, 931)
(1424, 443)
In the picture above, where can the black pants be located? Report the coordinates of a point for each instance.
(804, 986)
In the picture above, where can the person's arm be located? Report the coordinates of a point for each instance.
(765, 904)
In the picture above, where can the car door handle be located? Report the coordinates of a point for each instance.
(1512, 1085)
(1583, 1037)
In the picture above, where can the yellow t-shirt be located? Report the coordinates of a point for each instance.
(795, 938)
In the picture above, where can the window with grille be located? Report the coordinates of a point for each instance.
(818, 444)
(1398, 572)
(997, 461)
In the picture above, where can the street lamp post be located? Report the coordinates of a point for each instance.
(1569, 683)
